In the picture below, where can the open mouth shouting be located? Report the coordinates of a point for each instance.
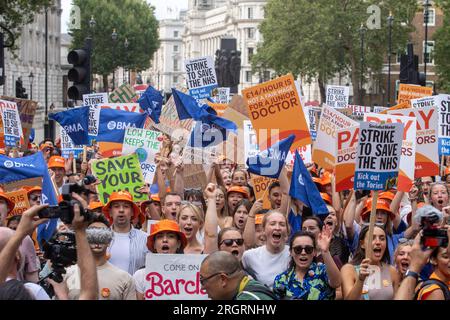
(235, 252)
(404, 264)
(187, 230)
(377, 252)
(277, 237)
(165, 248)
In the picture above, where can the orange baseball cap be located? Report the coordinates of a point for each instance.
(153, 198)
(47, 144)
(9, 203)
(387, 195)
(2, 151)
(56, 162)
(95, 205)
(326, 197)
(317, 181)
(259, 218)
(30, 189)
(238, 190)
(165, 226)
(120, 196)
(382, 204)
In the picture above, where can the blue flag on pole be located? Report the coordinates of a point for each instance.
(113, 124)
(270, 162)
(187, 106)
(75, 122)
(304, 189)
(151, 102)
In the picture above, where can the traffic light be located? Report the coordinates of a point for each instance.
(80, 74)
(409, 68)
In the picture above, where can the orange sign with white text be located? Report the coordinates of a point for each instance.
(407, 92)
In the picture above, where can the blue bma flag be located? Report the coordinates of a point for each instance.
(113, 124)
(151, 101)
(304, 189)
(75, 122)
(270, 162)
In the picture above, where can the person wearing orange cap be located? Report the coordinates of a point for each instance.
(34, 195)
(47, 148)
(128, 248)
(6, 206)
(165, 238)
(150, 210)
(57, 165)
(96, 207)
(234, 195)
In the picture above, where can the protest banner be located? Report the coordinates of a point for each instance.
(20, 198)
(123, 94)
(305, 153)
(67, 145)
(200, 77)
(12, 127)
(324, 151)
(145, 143)
(427, 158)
(358, 111)
(424, 102)
(407, 159)
(94, 99)
(250, 142)
(407, 92)
(379, 109)
(223, 95)
(119, 174)
(238, 104)
(260, 187)
(337, 96)
(194, 176)
(346, 149)
(378, 156)
(443, 103)
(173, 277)
(312, 120)
(27, 110)
(276, 112)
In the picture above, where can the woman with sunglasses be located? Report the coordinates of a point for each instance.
(305, 279)
(370, 278)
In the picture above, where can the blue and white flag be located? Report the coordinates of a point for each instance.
(113, 124)
(270, 162)
(304, 189)
(75, 123)
(151, 101)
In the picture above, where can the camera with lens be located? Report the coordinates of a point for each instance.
(433, 235)
(61, 250)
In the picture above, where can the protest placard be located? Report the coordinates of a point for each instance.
(424, 102)
(358, 111)
(378, 156)
(408, 156)
(145, 143)
(94, 99)
(200, 77)
(27, 110)
(324, 151)
(260, 187)
(407, 92)
(251, 141)
(346, 149)
(223, 95)
(173, 277)
(238, 104)
(312, 120)
(276, 112)
(443, 103)
(67, 145)
(337, 96)
(119, 174)
(400, 106)
(123, 94)
(194, 176)
(12, 126)
(305, 154)
(427, 158)
(20, 198)
(218, 107)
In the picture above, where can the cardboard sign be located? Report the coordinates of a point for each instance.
(250, 140)
(346, 149)
(305, 153)
(16, 185)
(194, 176)
(200, 77)
(119, 174)
(358, 111)
(67, 145)
(146, 144)
(123, 94)
(407, 92)
(27, 110)
(260, 185)
(407, 159)
(94, 99)
(223, 95)
(20, 198)
(324, 152)
(12, 127)
(173, 277)
(378, 156)
(238, 104)
(337, 96)
(424, 102)
(379, 109)
(427, 158)
(276, 112)
(443, 103)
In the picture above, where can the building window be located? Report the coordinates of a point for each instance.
(430, 49)
(175, 34)
(250, 12)
(175, 65)
(251, 33)
(175, 48)
(250, 54)
(431, 17)
(266, 76)
(248, 76)
(175, 79)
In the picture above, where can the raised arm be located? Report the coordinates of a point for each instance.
(249, 234)
(349, 216)
(211, 221)
(395, 206)
(284, 187)
(323, 242)
(352, 284)
(336, 200)
(179, 179)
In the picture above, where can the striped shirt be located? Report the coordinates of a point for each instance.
(138, 250)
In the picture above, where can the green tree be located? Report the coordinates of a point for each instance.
(321, 38)
(16, 13)
(442, 48)
(133, 20)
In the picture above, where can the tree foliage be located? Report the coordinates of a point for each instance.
(133, 20)
(442, 48)
(319, 38)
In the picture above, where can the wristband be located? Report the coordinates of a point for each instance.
(413, 274)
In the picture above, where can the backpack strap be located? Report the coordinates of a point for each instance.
(442, 286)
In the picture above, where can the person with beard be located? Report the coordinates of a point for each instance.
(370, 278)
(165, 238)
(113, 283)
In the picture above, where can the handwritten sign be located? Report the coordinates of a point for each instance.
(123, 94)
(201, 77)
(337, 96)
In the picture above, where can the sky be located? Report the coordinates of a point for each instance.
(164, 9)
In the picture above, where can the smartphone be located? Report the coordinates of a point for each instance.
(50, 212)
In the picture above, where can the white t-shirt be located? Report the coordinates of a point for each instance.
(36, 290)
(265, 265)
(120, 251)
(139, 280)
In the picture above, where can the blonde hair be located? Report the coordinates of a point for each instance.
(271, 212)
(197, 211)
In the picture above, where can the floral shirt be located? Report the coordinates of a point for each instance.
(314, 286)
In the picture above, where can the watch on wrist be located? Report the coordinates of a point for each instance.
(413, 274)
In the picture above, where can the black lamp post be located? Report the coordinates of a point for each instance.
(114, 38)
(92, 24)
(31, 76)
(425, 20)
(126, 44)
(390, 20)
(362, 30)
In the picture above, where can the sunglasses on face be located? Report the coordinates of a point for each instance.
(299, 249)
(35, 198)
(229, 242)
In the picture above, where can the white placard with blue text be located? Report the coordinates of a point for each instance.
(200, 77)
